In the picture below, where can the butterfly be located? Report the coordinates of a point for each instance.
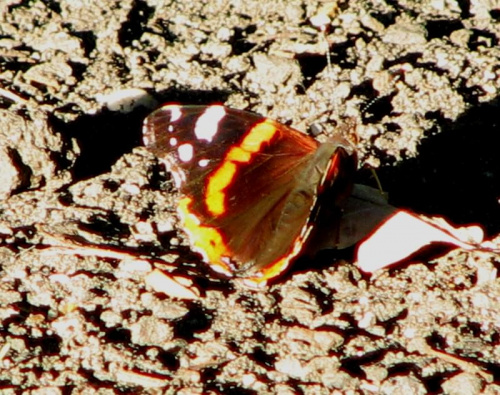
(250, 188)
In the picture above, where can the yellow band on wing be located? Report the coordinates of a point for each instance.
(260, 134)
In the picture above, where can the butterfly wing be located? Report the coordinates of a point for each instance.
(248, 183)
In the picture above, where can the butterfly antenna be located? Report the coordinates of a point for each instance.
(322, 21)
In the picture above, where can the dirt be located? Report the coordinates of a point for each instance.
(77, 78)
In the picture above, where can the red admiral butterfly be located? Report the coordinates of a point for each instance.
(249, 185)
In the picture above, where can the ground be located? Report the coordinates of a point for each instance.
(420, 79)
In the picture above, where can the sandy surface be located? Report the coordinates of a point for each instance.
(78, 77)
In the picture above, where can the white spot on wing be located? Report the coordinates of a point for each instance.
(175, 112)
(177, 172)
(173, 141)
(179, 178)
(185, 152)
(207, 124)
(203, 162)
